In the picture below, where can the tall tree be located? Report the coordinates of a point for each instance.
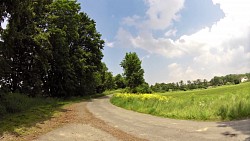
(20, 49)
(76, 50)
(89, 46)
(133, 71)
(49, 47)
(62, 29)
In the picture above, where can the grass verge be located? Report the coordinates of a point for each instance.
(215, 104)
(21, 113)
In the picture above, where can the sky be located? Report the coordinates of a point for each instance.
(175, 39)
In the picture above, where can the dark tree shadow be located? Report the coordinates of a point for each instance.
(16, 121)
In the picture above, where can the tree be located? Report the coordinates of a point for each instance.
(133, 71)
(105, 79)
(119, 81)
(90, 47)
(21, 49)
(49, 47)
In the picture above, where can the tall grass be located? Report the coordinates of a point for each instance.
(221, 103)
(14, 103)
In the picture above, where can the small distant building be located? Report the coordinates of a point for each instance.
(244, 79)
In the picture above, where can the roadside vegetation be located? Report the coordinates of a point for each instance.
(213, 104)
(50, 51)
(19, 113)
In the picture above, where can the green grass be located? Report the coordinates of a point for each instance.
(18, 112)
(213, 104)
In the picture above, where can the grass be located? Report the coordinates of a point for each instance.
(18, 113)
(215, 104)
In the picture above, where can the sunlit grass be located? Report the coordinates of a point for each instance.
(221, 103)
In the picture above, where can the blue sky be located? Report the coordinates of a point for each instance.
(175, 39)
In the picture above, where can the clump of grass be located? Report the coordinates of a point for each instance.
(222, 103)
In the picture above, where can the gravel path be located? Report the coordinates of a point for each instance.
(87, 127)
(98, 120)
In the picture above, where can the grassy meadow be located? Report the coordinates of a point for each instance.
(214, 104)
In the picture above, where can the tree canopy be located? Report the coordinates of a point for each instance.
(133, 71)
(49, 48)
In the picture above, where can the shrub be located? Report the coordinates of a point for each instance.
(15, 102)
(143, 88)
(2, 110)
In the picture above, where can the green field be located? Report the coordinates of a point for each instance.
(213, 104)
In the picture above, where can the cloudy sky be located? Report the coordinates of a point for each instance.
(175, 39)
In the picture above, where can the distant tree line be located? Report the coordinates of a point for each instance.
(132, 80)
(50, 48)
(230, 79)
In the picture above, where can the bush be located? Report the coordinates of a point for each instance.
(144, 88)
(2, 110)
(15, 102)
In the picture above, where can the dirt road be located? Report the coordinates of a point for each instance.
(100, 120)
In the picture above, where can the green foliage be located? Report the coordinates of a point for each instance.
(49, 48)
(133, 72)
(196, 105)
(119, 82)
(230, 79)
(223, 80)
(143, 88)
(2, 110)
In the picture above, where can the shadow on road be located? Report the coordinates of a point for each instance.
(242, 126)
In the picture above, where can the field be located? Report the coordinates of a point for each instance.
(214, 104)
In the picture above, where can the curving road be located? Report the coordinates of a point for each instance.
(162, 129)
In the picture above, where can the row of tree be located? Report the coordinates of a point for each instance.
(50, 48)
(132, 79)
(230, 79)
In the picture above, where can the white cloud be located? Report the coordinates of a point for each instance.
(171, 32)
(159, 16)
(224, 48)
(162, 46)
(161, 13)
(123, 38)
(178, 72)
(109, 44)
